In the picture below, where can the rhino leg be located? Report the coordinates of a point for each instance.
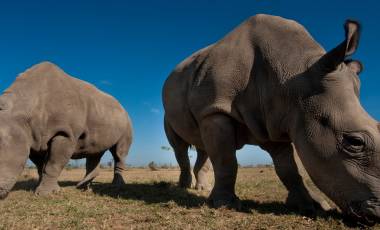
(180, 148)
(60, 152)
(119, 153)
(218, 136)
(38, 161)
(92, 171)
(201, 168)
(299, 196)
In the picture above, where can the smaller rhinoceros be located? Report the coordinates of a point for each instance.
(52, 117)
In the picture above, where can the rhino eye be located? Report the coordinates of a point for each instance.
(353, 143)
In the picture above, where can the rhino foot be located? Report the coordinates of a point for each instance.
(83, 186)
(44, 190)
(225, 202)
(118, 180)
(185, 180)
(202, 187)
(87, 181)
(202, 181)
(303, 209)
(309, 207)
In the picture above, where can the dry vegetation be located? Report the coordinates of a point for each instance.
(151, 200)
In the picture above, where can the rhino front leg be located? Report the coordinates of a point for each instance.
(61, 150)
(299, 197)
(218, 135)
(201, 168)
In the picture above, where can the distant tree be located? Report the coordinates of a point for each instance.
(165, 166)
(69, 166)
(109, 164)
(153, 166)
(166, 148)
(31, 166)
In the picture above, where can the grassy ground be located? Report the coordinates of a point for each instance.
(151, 200)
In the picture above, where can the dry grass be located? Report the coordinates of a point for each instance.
(151, 200)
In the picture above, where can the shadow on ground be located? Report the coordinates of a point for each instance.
(26, 185)
(31, 184)
(151, 193)
(163, 192)
(279, 208)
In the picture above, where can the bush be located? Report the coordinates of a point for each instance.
(153, 166)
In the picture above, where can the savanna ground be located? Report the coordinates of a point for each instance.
(151, 200)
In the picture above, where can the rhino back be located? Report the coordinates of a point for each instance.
(261, 51)
(55, 102)
(237, 76)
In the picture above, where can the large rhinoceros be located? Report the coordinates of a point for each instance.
(51, 117)
(269, 83)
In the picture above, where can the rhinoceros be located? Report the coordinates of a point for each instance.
(52, 117)
(269, 83)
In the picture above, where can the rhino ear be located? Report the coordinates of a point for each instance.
(337, 55)
(354, 65)
(352, 29)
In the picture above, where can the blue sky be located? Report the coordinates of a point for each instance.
(128, 48)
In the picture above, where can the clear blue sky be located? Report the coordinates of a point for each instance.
(127, 48)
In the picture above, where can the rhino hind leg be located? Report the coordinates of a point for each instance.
(218, 136)
(38, 161)
(119, 153)
(300, 197)
(201, 168)
(60, 151)
(180, 148)
(92, 171)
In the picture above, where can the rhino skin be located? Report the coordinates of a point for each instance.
(52, 117)
(269, 83)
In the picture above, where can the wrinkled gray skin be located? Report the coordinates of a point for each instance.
(268, 83)
(51, 117)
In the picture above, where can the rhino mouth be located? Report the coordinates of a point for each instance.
(365, 212)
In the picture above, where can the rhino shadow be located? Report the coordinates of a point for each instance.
(164, 192)
(279, 208)
(25, 185)
(150, 193)
(31, 184)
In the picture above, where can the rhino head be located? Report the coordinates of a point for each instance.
(14, 150)
(337, 140)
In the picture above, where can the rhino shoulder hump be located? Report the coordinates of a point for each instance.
(271, 20)
(41, 69)
(45, 66)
